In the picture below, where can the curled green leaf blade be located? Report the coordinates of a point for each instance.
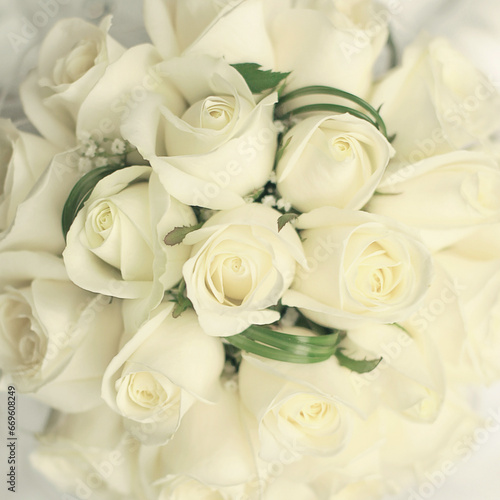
(325, 90)
(285, 347)
(335, 108)
(357, 365)
(269, 352)
(281, 149)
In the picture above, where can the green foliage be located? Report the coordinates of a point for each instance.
(259, 80)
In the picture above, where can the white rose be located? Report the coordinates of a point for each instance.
(209, 457)
(436, 102)
(219, 28)
(440, 317)
(479, 301)
(446, 197)
(122, 88)
(240, 265)
(115, 244)
(73, 57)
(160, 372)
(87, 454)
(219, 147)
(354, 469)
(300, 410)
(332, 160)
(483, 243)
(362, 268)
(410, 377)
(328, 43)
(37, 221)
(50, 331)
(412, 451)
(23, 159)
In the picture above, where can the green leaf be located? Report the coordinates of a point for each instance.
(284, 346)
(281, 150)
(377, 120)
(285, 219)
(257, 79)
(181, 304)
(357, 365)
(335, 108)
(177, 234)
(81, 192)
(181, 301)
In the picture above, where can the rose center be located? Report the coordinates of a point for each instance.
(230, 279)
(99, 223)
(377, 275)
(146, 391)
(104, 220)
(341, 149)
(72, 67)
(310, 413)
(212, 113)
(29, 348)
(24, 346)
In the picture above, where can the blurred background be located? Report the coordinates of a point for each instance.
(473, 26)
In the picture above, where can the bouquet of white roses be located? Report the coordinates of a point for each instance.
(239, 267)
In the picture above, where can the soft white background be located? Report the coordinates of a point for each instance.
(473, 25)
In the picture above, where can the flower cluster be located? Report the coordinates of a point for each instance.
(274, 273)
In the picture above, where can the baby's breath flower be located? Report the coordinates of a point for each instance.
(90, 149)
(101, 162)
(84, 165)
(279, 125)
(84, 137)
(269, 200)
(281, 203)
(118, 147)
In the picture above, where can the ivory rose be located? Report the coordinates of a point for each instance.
(447, 197)
(23, 159)
(209, 457)
(49, 330)
(87, 454)
(37, 221)
(115, 244)
(300, 410)
(411, 451)
(331, 161)
(73, 57)
(328, 43)
(160, 372)
(219, 147)
(219, 28)
(479, 301)
(436, 101)
(410, 377)
(362, 268)
(240, 265)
